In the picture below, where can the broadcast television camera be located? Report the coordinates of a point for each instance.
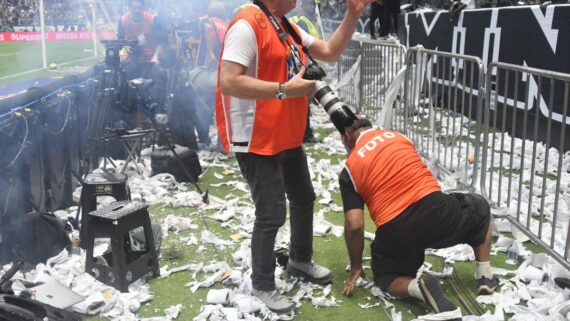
(340, 114)
(113, 51)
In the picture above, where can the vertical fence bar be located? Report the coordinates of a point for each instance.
(559, 172)
(513, 135)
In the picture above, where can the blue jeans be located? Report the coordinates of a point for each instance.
(270, 179)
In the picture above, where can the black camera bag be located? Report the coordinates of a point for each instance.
(38, 237)
(164, 161)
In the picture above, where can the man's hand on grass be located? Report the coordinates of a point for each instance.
(349, 284)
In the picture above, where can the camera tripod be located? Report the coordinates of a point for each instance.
(150, 107)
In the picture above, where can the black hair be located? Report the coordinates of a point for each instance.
(361, 122)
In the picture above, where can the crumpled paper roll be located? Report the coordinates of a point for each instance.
(218, 296)
(534, 274)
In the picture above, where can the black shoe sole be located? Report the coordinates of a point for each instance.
(434, 296)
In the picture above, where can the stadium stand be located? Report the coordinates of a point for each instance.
(25, 13)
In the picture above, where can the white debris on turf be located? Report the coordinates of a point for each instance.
(101, 299)
(165, 272)
(307, 292)
(457, 253)
(173, 223)
(321, 227)
(208, 238)
(217, 272)
(442, 316)
(527, 285)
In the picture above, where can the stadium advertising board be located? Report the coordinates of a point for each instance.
(55, 36)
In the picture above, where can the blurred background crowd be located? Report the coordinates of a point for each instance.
(14, 13)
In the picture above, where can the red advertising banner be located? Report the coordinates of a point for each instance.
(104, 34)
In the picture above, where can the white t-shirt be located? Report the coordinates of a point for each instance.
(240, 44)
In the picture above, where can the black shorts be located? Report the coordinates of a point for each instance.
(436, 221)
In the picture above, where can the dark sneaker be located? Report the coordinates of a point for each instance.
(310, 271)
(274, 301)
(486, 286)
(433, 295)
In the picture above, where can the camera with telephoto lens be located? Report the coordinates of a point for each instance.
(314, 72)
(340, 114)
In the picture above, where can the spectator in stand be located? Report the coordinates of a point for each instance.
(376, 13)
(66, 13)
(389, 17)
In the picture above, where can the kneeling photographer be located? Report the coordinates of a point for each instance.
(261, 113)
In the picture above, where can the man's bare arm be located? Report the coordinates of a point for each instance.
(354, 237)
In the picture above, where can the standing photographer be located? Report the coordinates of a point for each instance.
(142, 26)
(261, 116)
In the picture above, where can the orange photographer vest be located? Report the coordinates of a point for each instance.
(134, 30)
(388, 174)
(263, 126)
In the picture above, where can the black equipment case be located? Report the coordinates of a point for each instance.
(164, 161)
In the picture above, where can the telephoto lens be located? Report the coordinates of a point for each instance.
(340, 114)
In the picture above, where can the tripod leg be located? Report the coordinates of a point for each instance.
(172, 148)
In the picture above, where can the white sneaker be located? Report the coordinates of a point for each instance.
(274, 301)
(310, 270)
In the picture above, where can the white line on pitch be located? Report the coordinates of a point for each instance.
(40, 69)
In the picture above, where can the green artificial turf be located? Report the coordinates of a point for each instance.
(22, 57)
(329, 251)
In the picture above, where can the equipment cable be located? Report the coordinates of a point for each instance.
(23, 144)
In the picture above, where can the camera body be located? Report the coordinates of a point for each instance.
(340, 114)
(314, 72)
(113, 51)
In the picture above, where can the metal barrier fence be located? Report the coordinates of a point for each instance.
(525, 175)
(379, 64)
(512, 128)
(349, 58)
(442, 111)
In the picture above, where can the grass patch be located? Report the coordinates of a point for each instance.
(20, 57)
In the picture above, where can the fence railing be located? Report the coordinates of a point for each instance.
(524, 174)
(442, 110)
(380, 62)
(506, 132)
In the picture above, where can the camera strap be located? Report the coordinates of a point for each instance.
(282, 34)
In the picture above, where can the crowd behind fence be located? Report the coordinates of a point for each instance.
(503, 133)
